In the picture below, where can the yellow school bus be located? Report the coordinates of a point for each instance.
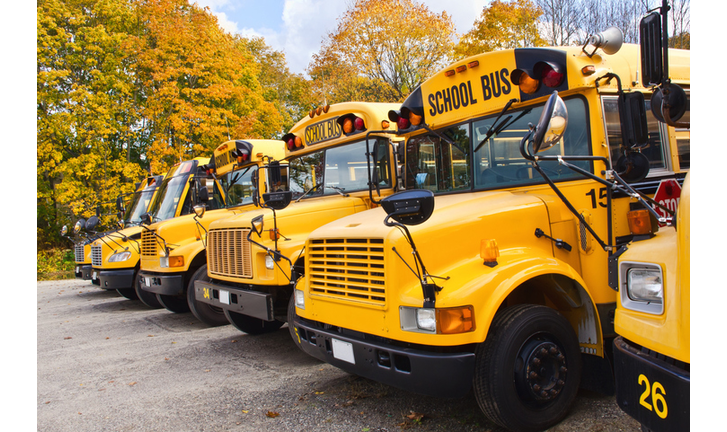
(173, 250)
(341, 161)
(494, 271)
(116, 258)
(652, 351)
(123, 241)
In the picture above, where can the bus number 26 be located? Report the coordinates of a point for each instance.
(657, 393)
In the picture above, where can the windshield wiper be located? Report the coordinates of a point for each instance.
(341, 191)
(305, 194)
(496, 129)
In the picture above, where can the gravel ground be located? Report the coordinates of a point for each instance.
(108, 363)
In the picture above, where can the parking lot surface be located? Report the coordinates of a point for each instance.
(106, 363)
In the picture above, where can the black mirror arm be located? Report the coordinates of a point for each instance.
(275, 254)
(199, 225)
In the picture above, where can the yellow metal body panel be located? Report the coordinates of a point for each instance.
(668, 332)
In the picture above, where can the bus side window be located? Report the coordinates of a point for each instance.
(654, 150)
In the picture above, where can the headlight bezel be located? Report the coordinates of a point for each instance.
(633, 277)
(119, 257)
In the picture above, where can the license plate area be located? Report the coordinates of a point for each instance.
(342, 350)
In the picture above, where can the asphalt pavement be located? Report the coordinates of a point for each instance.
(105, 363)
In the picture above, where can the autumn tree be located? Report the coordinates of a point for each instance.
(129, 87)
(84, 106)
(381, 50)
(502, 25)
(289, 92)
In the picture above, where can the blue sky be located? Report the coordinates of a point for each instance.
(297, 27)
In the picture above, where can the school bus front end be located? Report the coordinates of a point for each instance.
(652, 352)
(505, 287)
(115, 256)
(253, 258)
(174, 250)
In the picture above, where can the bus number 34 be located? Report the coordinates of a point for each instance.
(657, 393)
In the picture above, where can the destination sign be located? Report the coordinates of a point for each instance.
(322, 131)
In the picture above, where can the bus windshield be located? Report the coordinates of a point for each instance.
(435, 164)
(339, 170)
(239, 186)
(167, 200)
(137, 207)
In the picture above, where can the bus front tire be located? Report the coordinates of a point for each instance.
(291, 317)
(528, 370)
(208, 314)
(250, 325)
(146, 297)
(176, 304)
(129, 293)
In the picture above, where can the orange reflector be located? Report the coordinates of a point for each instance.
(384, 124)
(639, 222)
(455, 320)
(489, 251)
(588, 70)
(176, 261)
(298, 141)
(473, 64)
(274, 234)
(449, 72)
(414, 119)
(527, 84)
(461, 68)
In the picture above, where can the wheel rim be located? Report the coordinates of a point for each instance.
(540, 371)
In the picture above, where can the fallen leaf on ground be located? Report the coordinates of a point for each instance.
(272, 414)
(67, 337)
(132, 383)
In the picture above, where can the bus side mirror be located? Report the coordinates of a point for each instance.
(80, 224)
(91, 223)
(257, 225)
(651, 50)
(119, 204)
(552, 124)
(410, 207)
(199, 210)
(146, 218)
(277, 200)
(64, 230)
(274, 172)
(634, 127)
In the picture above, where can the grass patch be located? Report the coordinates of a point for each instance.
(54, 264)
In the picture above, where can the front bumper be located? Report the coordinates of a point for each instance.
(247, 302)
(83, 271)
(649, 389)
(443, 374)
(113, 279)
(162, 283)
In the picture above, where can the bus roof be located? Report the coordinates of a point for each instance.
(487, 82)
(325, 128)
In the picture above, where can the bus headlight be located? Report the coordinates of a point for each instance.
(642, 287)
(299, 299)
(269, 262)
(459, 319)
(119, 257)
(171, 261)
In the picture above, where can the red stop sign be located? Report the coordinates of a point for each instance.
(667, 195)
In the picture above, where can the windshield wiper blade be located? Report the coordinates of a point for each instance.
(500, 126)
(305, 194)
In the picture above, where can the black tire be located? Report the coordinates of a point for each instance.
(129, 293)
(291, 316)
(176, 304)
(208, 314)
(525, 340)
(146, 297)
(250, 325)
